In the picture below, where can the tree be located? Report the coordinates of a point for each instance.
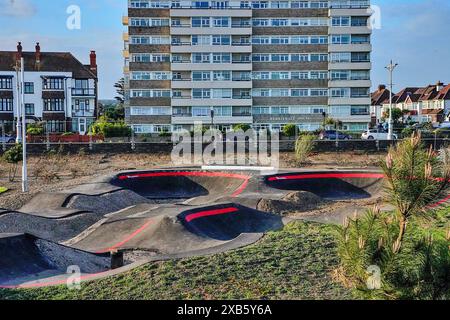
(290, 130)
(397, 114)
(415, 177)
(120, 89)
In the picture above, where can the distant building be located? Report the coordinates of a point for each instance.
(262, 63)
(377, 99)
(59, 89)
(426, 104)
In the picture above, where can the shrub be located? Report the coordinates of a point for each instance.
(290, 130)
(304, 147)
(407, 132)
(370, 264)
(35, 129)
(243, 126)
(13, 156)
(110, 129)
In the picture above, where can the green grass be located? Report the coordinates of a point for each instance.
(294, 263)
(3, 190)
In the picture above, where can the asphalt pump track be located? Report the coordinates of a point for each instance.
(119, 222)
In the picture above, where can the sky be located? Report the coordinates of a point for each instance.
(413, 33)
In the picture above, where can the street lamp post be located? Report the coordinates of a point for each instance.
(17, 68)
(391, 67)
(24, 127)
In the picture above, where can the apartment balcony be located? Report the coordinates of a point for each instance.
(82, 113)
(188, 47)
(366, 65)
(353, 10)
(211, 12)
(188, 84)
(349, 101)
(350, 30)
(125, 37)
(353, 47)
(189, 119)
(188, 101)
(187, 30)
(349, 83)
(126, 53)
(125, 20)
(78, 92)
(189, 66)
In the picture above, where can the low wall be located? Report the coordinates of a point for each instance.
(284, 146)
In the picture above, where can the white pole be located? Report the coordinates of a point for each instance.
(24, 130)
(391, 68)
(18, 94)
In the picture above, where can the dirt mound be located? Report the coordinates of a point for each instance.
(299, 201)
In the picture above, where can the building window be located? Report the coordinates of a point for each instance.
(53, 84)
(29, 87)
(6, 83)
(55, 126)
(51, 105)
(6, 105)
(29, 109)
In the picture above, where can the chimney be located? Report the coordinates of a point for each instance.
(439, 86)
(19, 51)
(38, 53)
(381, 87)
(93, 59)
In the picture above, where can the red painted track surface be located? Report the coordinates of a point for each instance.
(346, 175)
(328, 176)
(209, 213)
(236, 193)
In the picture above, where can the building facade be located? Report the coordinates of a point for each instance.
(422, 104)
(59, 90)
(263, 63)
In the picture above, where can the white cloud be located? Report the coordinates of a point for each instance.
(17, 8)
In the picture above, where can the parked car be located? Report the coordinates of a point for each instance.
(331, 135)
(7, 139)
(376, 135)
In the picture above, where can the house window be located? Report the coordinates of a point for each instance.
(51, 105)
(29, 87)
(5, 83)
(6, 105)
(29, 109)
(55, 126)
(53, 84)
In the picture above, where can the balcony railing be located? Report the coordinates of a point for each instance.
(83, 92)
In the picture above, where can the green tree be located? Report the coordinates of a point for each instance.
(397, 114)
(290, 130)
(415, 177)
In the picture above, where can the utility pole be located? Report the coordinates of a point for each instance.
(391, 67)
(24, 127)
(18, 95)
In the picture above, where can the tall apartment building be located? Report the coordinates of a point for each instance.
(264, 63)
(59, 90)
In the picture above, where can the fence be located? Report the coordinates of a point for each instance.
(166, 147)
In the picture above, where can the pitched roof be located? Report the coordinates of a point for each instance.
(404, 94)
(49, 61)
(428, 93)
(380, 96)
